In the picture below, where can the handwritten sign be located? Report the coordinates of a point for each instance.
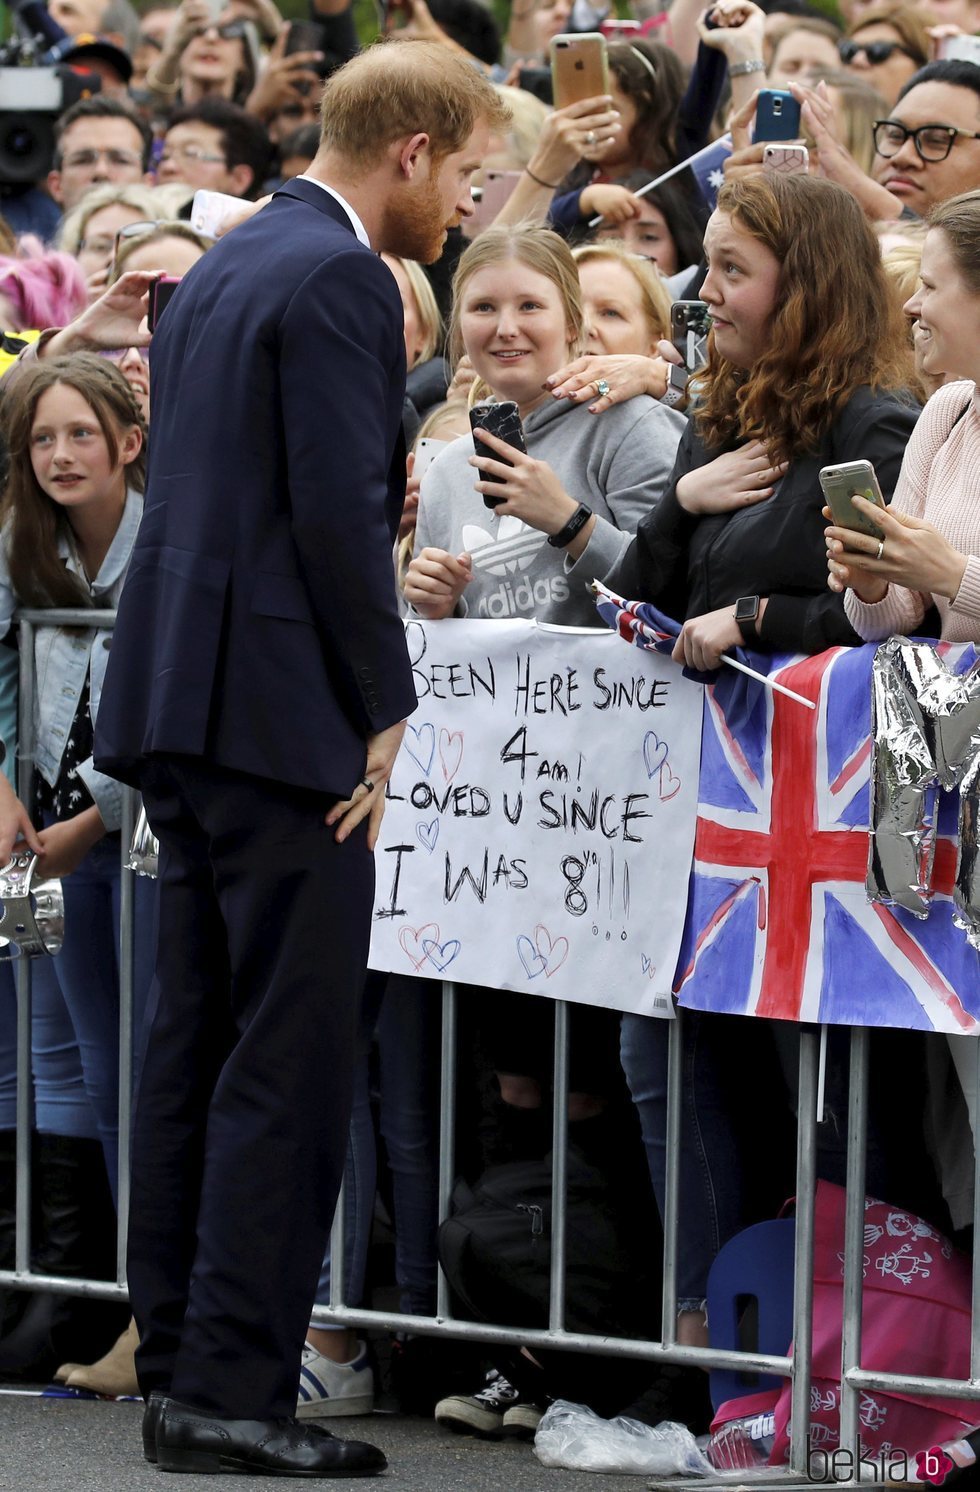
(540, 818)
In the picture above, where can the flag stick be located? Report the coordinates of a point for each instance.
(681, 166)
(769, 683)
(598, 589)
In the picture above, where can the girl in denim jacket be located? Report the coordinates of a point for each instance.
(71, 509)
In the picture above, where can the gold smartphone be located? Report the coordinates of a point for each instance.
(840, 484)
(579, 67)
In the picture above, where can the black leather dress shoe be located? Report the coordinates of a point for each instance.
(151, 1423)
(191, 1439)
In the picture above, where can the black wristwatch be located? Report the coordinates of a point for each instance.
(747, 615)
(574, 525)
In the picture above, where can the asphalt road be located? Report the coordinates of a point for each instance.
(62, 1445)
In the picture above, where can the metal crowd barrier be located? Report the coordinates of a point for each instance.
(855, 1379)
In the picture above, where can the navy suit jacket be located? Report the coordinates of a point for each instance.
(258, 627)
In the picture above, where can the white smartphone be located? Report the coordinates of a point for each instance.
(960, 49)
(211, 211)
(425, 453)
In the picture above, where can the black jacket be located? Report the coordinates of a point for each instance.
(688, 565)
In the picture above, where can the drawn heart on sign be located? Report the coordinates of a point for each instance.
(654, 753)
(533, 961)
(450, 752)
(415, 641)
(648, 968)
(413, 941)
(440, 955)
(545, 955)
(428, 834)
(670, 785)
(421, 745)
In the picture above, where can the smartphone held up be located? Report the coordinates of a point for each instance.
(690, 324)
(841, 484)
(161, 293)
(504, 421)
(579, 67)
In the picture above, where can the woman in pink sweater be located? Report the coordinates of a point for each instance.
(931, 548)
(931, 554)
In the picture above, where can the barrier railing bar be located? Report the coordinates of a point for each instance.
(64, 616)
(857, 1124)
(447, 1129)
(668, 1324)
(954, 1388)
(854, 1377)
(806, 1181)
(127, 936)
(25, 1094)
(974, 1318)
(338, 1243)
(559, 1168)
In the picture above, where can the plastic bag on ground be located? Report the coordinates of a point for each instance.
(574, 1437)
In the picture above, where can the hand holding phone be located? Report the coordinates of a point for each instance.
(504, 421)
(841, 484)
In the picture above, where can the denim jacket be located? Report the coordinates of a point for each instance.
(63, 657)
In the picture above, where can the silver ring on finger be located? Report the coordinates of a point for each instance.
(881, 549)
(590, 137)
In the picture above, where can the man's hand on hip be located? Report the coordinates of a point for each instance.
(367, 801)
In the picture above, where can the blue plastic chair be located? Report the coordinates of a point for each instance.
(755, 1265)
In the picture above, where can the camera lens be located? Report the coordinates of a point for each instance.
(26, 147)
(19, 142)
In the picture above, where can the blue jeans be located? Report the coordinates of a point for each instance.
(85, 974)
(61, 1103)
(723, 1059)
(405, 1016)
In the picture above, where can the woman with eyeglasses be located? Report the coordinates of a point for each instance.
(204, 57)
(885, 47)
(89, 231)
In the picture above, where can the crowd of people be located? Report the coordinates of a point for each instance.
(844, 304)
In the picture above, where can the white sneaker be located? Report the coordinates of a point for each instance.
(329, 1388)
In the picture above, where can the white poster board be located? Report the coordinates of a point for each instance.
(540, 820)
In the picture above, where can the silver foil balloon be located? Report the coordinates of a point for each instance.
(926, 728)
(33, 921)
(902, 773)
(144, 851)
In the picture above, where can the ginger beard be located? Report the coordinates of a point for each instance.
(415, 219)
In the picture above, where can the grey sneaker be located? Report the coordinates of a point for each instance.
(480, 1413)
(521, 1420)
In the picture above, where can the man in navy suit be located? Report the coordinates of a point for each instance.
(256, 693)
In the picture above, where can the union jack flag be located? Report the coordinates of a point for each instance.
(778, 921)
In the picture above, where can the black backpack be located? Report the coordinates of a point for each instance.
(495, 1249)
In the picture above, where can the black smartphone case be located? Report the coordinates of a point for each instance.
(504, 421)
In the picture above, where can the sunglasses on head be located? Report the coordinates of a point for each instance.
(875, 51)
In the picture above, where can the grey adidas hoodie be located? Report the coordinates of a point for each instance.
(617, 462)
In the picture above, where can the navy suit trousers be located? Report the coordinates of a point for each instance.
(242, 1114)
